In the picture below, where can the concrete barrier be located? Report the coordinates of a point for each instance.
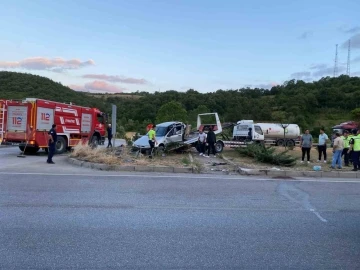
(139, 168)
(349, 175)
(183, 170)
(242, 171)
(124, 168)
(331, 174)
(164, 169)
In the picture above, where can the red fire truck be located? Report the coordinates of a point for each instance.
(27, 123)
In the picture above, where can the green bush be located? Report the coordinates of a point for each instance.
(266, 154)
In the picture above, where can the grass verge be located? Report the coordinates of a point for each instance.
(124, 156)
(267, 154)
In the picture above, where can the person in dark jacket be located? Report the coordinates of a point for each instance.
(250, 135)
(51, 144)
(109, 133)
(210, 142)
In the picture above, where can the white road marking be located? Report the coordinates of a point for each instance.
(151, 207)
(187, 176)
(318, 215)
(299, 196)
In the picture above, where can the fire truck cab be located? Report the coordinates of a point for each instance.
(27, 123)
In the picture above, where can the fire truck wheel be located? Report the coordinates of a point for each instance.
(33, 150)
(60, 145)
(29, 150)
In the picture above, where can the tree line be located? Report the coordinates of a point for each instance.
(322, 103)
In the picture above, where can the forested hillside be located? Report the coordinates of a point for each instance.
(322, 103)
(15, 85)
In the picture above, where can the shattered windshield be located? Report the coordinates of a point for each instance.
(161, 131)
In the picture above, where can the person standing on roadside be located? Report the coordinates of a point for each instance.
(306, 144)
(202, 142)
(355, 149)
(51, 143)
(210, 141)
(323, 139)
(109, 133)
(353, 133)
(338, 147)
(250, 135)
(345, 152)
(152, 139)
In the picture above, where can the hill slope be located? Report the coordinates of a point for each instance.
(15, 85)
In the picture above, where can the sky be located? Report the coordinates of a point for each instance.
(158, 45)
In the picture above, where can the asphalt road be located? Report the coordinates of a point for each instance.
(65, 217)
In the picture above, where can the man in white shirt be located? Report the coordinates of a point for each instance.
(323, 139)
(201, 142)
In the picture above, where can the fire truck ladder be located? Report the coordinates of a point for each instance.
(2, 121)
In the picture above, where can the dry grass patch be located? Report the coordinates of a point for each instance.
(124, 156)
(98, 155)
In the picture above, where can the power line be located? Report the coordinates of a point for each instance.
(336, 62)
(348, 60)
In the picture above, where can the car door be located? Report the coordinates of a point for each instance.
(258, 134)
(175, 134)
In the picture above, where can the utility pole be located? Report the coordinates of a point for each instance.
(348, 60)
(284, 126)
(336, 62)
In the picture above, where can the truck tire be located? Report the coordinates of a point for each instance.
(29, 150)
(61, 145)
(280, 142)
(290, 143)
(32, 150)
(219, 147)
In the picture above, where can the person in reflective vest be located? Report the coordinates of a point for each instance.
(346, 138)
(152, 139)
(353, 133)
(355, 147)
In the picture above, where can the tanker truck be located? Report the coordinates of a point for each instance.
(273, 132)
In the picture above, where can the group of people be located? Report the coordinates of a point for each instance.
(344, 145)
(207, 141)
